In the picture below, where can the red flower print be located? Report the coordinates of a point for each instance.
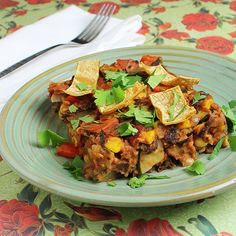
(18, 218)
(175, 34)
(214, 1)
(232, 5)
(200, 21)
(13, 29)
(144, 29)
(63, 231)
(159, 9)
(75, 2)
(232, 22)
(8, 3)
(216, 44)
(233, 34)
(19, 12)
(95, 213)
(142, 227)
(33, 2)
(164, 26)
(170, 0)
(95, 7)
(136, 1)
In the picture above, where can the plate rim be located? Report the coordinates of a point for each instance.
(222, 185)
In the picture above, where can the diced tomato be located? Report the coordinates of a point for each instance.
(67, 150)
(122, 64)
(72, 99)
(160, 88)
(148, 60)
(107, 125)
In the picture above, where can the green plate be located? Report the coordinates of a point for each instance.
(28, 111)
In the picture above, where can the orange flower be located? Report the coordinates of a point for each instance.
(165, 26)
(144, 29)
(159, 9)
(233, 34)
(63, 231)
(19, 12)
(175, 34)
(95, 213)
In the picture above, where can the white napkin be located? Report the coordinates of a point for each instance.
(58, 28)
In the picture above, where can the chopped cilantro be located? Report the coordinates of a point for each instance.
(126, 129)
(216, 149)
(197, 97)
(111, 184)
(75, 124)
(86, 118)
(122, 79)
(232, 104)
(137, 182)
(172, 107)
(72, 108)
(197, 167)
(102, 97)
(232, 142)
(48, 137)
(154, 80)
(81, 86)
(118, 94)
(75, 167)
(140, 114)
(230, 114)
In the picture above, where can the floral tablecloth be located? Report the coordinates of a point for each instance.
(26, 210)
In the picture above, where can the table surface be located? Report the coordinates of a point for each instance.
(26, 210)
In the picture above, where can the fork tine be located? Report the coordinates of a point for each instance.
(93, 21)
(97, 23)
(94, 34)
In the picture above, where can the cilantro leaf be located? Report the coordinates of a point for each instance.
(47, 137)
(136, 182)
(230, 117)
(197, 167)
(75, 167)
(81, 86)
(111, 184)
(216, 149)
(102, 97)
(154, 80)
(122, 79)
(118, 94)
(172, 107)
(197, 97)
(86, 118)
(126, 129)
(158, 177)
(232, 104)
(75, 124)
(142, 115)
(114, 75)
(232, 142)
(73, 108)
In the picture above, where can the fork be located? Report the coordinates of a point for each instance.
(92, 30)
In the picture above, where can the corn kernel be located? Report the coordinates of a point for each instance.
(199, 143)
(148, 136)
(114, 144)
(207, 103)
(185, 125)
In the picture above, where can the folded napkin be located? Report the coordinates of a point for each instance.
(58, 28)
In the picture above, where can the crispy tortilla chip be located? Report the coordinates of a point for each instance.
(170, 79)
(87, 73)
(130, 94)
(163, 101)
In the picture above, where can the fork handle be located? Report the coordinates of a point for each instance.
(24, 61)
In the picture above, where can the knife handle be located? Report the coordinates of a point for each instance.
(24, 61)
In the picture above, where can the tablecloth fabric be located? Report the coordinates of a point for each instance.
(205, 24)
